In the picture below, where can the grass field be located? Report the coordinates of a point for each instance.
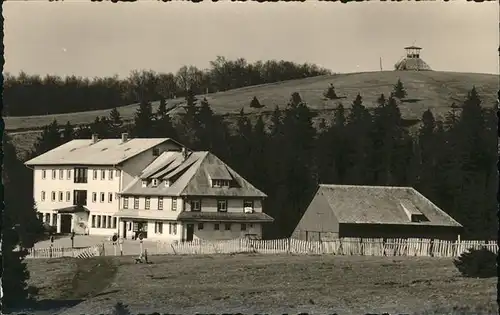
(435, 90)
(262, 284)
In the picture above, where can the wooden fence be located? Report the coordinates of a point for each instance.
(344, 246)
(58, 252)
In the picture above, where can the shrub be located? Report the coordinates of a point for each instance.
(121, 309)
(478, 263)
(255, 103)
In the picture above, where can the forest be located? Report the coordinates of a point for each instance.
(27, 95)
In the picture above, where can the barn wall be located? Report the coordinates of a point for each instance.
(398, 231)
(318, 221)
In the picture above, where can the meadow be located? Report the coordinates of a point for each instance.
(433, 90)
(250, 283)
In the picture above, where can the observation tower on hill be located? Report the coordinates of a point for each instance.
(412, 61)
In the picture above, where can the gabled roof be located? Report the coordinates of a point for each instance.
(103, 152)
(381, 205)
(190, 176)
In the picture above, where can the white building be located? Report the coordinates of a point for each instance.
(150, 186)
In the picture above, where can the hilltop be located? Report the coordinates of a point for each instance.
(433, 90)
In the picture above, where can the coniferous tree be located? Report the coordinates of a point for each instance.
(399, 90)
(163, 125)
(143, 121)
(190, 124)
(330, 93)
(255, 103)
(48, 140)
(68, 133)
(115, 123)
(21, 228)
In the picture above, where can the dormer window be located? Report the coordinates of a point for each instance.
(168, 183)
(218, 183)
(144, 183)
(154, 182)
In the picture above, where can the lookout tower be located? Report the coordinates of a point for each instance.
(412, 61)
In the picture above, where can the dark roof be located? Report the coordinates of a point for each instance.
(72, 209)
(382, 205)
(224, 216)
(412, 64)
(413, 47)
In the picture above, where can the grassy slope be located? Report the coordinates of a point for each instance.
(435, 90)
(273, 284)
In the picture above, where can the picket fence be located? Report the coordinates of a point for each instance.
(58, 252)
(343, 246)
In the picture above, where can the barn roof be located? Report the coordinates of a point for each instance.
(382, 205)
(102, 152)
(190, 176)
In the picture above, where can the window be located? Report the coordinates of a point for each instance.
(99, 221)
(94, 197)
(61, 195)
(80, 175)
(195, 205)
(68, 174)
(104, 221)
(222, 205)
(117, 173)
(103, 174)
(200, 226)
(248, 205)
(168, 183)
(61, 174)
(220, 183)
(42, 197)
(110, 175)
(174, 204)
(172, 228)
(54, 219)
(110, 197)
(79, 197)
(114, 223)
(94, 174)
(147, 203)
(136, 202)
(68, 196)
(159, 227)
(53, 174)
(227, 226)
(103, 197)
(53, 196)
(243, 227)
(216, 226)
(109, 221)
(93, 221)
(160, 203)
(154, 182)
(44, 174)
(144, 183)
(47, 218)
(125, 202)
(156, 151)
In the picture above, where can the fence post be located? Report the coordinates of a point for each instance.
(50, 251)
(103, 250)
(289, 245)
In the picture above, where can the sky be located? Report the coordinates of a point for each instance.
(82, 38)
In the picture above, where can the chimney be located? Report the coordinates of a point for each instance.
(124, 137)
(184, 153)
(95, 137)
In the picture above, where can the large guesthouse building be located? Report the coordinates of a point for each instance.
(155, 187)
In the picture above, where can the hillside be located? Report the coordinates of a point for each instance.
(431, 89)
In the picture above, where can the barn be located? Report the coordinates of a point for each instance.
(373, 212)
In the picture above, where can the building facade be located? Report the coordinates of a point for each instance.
(131, 186)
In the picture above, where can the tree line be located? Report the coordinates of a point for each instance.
(26, 95)
(452, 162)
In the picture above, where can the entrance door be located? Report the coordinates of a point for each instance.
(189, 232)
(66, 223)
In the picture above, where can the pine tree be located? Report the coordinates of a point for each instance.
(330, 93)
(163, 125)
(295, 99)
(143, 121)
(255, 103)
(48, 140)
(68, 132)
(20, 229)
(121, 309)
(399, 90)
(189, 121)
(115, 123)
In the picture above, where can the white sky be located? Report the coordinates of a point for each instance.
(102, 39)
